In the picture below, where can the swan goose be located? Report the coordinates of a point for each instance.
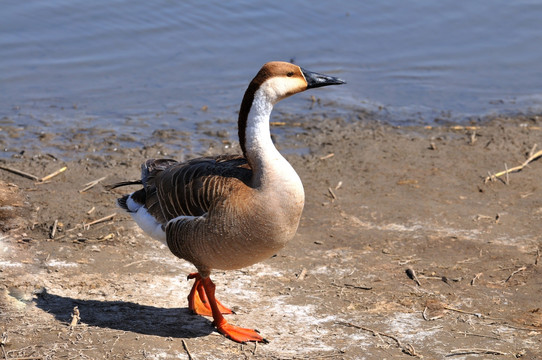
(230, 211)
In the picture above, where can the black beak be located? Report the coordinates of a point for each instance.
(315, 80)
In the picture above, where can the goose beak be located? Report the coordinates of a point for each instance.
(315, 80)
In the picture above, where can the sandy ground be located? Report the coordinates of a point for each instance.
(383, 203)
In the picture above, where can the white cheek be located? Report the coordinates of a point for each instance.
(277, 88)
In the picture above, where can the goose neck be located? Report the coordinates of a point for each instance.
(258, 146)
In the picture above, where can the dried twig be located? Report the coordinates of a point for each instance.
(361, 287)
(91, 184)
(375, 332)
(33, 177)
(490, 176)
(75, 318)
(186, 349)
(352, 286)
(521, 328)
(408, 349)
(19, 172)
(537, 256)
(481, 335)
(478, 315)
(98, 240)
(424, 315)
(476, 277)
(105, 237)
(531, 152)
(516, 168)
(53, 229)
(53, 174)
(327, 156)
(333, 196)
(302, 274)
(442, 278)
(457, 352)
(136, 262)
(473, 137)
(407, 261)
(460, 127)
(412, 274)
(105, 218)
(483, 217)
(515, 272)
(3, 341)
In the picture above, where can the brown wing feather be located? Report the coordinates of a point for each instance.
(148, 195)
(191, 188)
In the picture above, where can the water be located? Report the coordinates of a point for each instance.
(133, 66)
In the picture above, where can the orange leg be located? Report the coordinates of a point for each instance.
(233, 332)
(195, 303)
(197, 299)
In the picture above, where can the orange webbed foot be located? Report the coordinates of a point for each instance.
(197, 299)
(239, 334)
(232, 332)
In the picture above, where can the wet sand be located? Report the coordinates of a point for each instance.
(383, 203)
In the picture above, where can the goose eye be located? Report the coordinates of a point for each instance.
(290, 74)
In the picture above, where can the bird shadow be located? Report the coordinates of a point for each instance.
(127, 316)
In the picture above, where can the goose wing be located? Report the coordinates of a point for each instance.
(191, 188)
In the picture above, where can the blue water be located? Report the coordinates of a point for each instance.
(74, 63)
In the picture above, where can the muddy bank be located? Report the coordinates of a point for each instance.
(380, 200)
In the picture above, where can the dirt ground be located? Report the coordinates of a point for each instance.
(403, 251)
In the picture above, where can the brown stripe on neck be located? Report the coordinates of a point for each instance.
(246, 105)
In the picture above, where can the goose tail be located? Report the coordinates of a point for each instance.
(122, 203)
(123, 183)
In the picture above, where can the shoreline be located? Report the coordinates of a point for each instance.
(381, 199)
(178, 135)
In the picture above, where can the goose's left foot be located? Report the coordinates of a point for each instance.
(239, 334)
(232, 332)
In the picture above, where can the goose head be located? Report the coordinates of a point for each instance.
(279, 80)
(275, 81)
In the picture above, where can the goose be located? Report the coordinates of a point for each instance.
(230, 211)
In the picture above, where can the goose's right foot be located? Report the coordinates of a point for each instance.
(197, 299)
